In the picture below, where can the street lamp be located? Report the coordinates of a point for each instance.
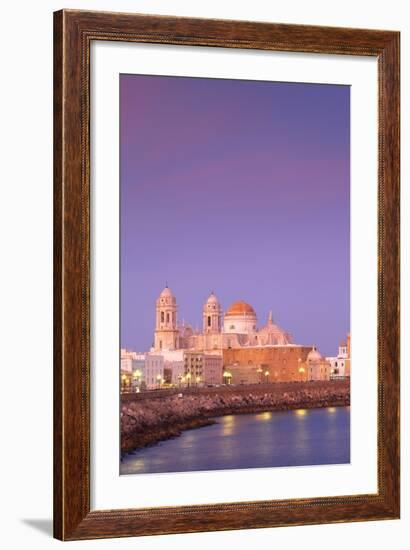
(198, 379)
(259, 371)
(227, 376)
(123, 382)
(267, 376)
(188, 377)
(159, 379)
(137, 378)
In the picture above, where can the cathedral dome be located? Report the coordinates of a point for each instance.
(314, 356)
(166, 298)
(166, 292)
(240, 308)
(212, 299)
(240, 318)
(273, 334)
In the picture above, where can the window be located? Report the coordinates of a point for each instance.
(209, 320)
(167, 317)
(162, 316)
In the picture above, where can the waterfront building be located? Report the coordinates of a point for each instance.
(126, 357)
(229, 348)
(348, 359)
(340, 365)
(243, 374)
(154, 371)
(138, 372)
(133, 365)
(212, 369)
(257, 364)
(193, 368)
(173, 366)
(317, 367)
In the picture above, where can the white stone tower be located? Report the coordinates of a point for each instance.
(166, 331)
(212, 315)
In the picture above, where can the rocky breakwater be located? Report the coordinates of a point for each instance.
(152, 419)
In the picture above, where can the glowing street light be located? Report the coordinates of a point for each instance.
(124, 381)
(227, 377)
(266, 376)
(137, 379)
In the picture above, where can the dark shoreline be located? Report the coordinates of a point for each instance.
(169, 417)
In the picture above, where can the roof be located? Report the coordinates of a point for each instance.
(240, 308)
(314, 355)
(166, 292)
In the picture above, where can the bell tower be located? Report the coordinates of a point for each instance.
(166, 331)
(212, 315)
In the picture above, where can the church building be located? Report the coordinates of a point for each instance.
(244, 352)
(236, 328)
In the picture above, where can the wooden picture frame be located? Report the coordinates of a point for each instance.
(74, 32)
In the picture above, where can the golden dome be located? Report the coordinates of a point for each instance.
(240, 308)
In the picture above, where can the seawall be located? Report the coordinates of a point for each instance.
(153, 418)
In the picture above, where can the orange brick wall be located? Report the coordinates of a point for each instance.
(282, 363)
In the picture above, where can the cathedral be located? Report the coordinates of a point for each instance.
(236, 328)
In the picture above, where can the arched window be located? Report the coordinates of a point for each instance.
(167, 317)
(209, 320)
(162, 317)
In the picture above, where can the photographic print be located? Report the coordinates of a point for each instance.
(234, 274)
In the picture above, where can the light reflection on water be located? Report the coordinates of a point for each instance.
(264, 416)
(289, 438)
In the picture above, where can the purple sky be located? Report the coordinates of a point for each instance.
(240, 187)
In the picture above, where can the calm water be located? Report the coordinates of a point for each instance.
(289, 438)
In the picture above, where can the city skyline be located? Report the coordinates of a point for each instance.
(239, 187)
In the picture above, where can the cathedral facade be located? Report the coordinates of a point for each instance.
(236, 328)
